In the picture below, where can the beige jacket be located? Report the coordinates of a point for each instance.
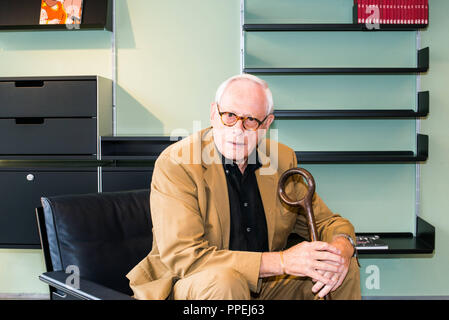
(191, 216)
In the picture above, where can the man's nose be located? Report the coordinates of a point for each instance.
(239, 125)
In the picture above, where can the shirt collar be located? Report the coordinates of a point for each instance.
(253, 161)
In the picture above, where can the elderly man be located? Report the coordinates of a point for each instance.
(220, 228)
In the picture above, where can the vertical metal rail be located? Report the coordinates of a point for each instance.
(418, 130)
(114, 69)
(242, 36)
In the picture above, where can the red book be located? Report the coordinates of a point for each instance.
(410, 11)
(374, 11)
(385, 13)
(423, 11)
(369, 12)
(362, 10)
(418, 7)
(407, 11)
(393, 9)
(426, 12)
(382, 11)
(380, 6)
(415, 11)
(418, 11)
(389, 11)
(365, 13)
(394, 12)
(402, 21)
(359, 10)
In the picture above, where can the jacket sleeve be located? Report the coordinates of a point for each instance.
(328, 223)
(179, 227)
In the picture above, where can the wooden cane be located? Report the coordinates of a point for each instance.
(305, 203)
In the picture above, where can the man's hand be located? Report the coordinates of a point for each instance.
(314, 260)
(346, 249)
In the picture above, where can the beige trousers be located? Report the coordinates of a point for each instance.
(228, 284)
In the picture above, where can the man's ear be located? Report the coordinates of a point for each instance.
(269, 121)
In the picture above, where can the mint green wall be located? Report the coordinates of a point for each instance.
(172, 55)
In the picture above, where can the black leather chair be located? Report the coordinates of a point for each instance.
(103, 235)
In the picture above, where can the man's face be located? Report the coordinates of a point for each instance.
(246, 99)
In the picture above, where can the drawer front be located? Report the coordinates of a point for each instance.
(113, 181)
(21, 193)
(48, 98)
(48, 137)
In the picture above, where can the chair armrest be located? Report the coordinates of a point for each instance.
(88, 290)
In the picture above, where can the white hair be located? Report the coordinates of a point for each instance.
(268, 95)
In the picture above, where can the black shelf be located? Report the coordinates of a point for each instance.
(23, 15)
(143, 148)
(148, 148)
(367, 156)
(405, 242)
(282, 27)
(48, 157)
(423, 66)
(398, 242)
(422, 111)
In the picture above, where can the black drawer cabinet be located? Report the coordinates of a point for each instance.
(54, 118)
(38, 97)
(122, 178)
(62, 136)
(21, 190)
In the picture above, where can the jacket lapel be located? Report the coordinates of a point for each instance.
(215, 179)
(268, 192)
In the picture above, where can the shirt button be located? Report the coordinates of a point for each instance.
(227, 171)
(245, 204)
(248, 229)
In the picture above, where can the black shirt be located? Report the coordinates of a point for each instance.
(248, 223)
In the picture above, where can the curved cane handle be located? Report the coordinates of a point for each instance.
(310, 181)
(306, 202)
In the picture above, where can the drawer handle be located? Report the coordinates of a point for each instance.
(30, 120)
(29, 83)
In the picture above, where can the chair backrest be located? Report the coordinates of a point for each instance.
(104, 235)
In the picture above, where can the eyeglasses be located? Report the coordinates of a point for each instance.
(229, 119)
